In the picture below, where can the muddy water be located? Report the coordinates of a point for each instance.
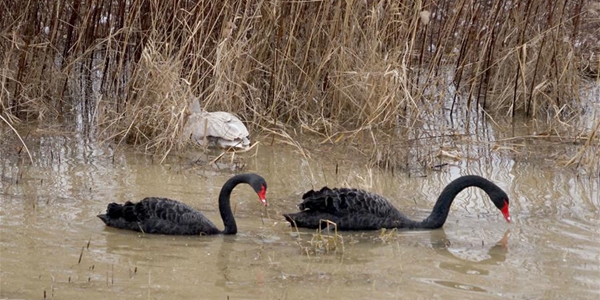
(53, 245)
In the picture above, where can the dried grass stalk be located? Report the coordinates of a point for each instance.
(346, 70)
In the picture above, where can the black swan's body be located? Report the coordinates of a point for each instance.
(354, 209)
(166, 216)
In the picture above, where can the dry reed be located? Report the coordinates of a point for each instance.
(324, 241)
(365, 72)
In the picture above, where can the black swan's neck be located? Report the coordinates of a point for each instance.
(224, 202)
(440, 211)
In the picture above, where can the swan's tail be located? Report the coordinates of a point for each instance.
(289, 218)
(114, 211)
(310, 219)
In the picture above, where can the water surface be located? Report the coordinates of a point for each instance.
(52, 244)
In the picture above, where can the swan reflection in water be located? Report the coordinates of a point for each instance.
(495, 255)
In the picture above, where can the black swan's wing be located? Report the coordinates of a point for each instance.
(350, 209)
(345, 201)
(158, 215)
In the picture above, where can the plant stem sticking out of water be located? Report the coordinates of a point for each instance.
(80, 255)
(327, 242)
(386, 235)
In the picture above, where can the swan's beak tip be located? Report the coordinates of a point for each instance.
(264, 202)
(505, 212)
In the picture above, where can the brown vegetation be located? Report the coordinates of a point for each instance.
(345, 70)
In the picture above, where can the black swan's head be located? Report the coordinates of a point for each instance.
(260, 187)
(500, 199)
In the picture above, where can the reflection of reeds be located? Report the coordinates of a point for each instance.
(19, 137)
(589, 153)
(371, 73)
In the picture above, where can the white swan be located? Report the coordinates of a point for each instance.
(218, 128)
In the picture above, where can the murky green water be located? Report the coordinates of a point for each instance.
(52, 244)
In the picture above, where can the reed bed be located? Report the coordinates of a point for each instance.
(371, 73)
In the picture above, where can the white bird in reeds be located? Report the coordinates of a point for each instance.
(216, 129)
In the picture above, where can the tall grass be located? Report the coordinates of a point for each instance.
(341, 69)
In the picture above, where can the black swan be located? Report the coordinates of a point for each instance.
(166, 216)
(354, 209)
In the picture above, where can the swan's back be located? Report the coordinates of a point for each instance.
(221, 128)
(158, 215)
(346, 201)
(225, 125)
(350, 209)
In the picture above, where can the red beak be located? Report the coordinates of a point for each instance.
(263, 201)
(505, 211)
(262, 196)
